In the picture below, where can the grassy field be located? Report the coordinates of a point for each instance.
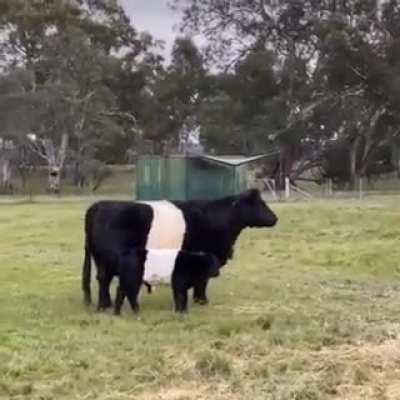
(309, 310)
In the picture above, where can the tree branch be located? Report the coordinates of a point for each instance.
(119, 114)
(306, 112)
(36, 149)
(62, 152)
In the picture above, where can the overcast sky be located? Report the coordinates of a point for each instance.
(155, 17)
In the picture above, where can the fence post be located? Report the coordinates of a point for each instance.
(330, 187)
(274, 185)
(287, 187)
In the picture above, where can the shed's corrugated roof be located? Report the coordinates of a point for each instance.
(234, 160)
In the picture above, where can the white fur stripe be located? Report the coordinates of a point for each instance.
(159, 266)
(168, 227)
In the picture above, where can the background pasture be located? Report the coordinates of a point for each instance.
(308, 310)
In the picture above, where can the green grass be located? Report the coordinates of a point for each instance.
(309, 310)
(120, 179)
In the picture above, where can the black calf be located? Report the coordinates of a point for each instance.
(190, 269)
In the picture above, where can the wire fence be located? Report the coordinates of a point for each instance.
(361, 189)
(120, 183)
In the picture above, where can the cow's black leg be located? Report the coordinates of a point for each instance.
(180, 299)
(131, 275)
(119, 300)
(199, 292)
(104, 278)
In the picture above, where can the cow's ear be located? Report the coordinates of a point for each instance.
(250, 195)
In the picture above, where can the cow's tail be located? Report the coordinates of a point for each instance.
(86, 275)
(87, 264)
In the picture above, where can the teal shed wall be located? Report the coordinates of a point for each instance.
(187, 178)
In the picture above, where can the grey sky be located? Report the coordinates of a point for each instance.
(155, 17)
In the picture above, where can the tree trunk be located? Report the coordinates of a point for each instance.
(5, 174)
(55, 160)
(396, 157)
(79, 174)
(54, 179)
(284, 168)
(370, 143)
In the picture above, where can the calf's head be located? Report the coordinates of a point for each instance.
(252, 211)
(213, 265)
(209, 263)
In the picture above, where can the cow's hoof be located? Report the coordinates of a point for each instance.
(103, 308)
(87, 303)
(201, 302)
(135, 309)
(181, 312)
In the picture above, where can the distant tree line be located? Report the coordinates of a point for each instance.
(317, 81)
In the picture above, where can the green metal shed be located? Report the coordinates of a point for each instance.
(180, 177)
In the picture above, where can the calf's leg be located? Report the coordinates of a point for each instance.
(104, 279)
(119, 300)
(131, 276)
(199, 292)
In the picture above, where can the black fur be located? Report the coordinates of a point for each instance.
(113, 228)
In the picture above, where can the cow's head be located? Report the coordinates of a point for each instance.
(252, 211)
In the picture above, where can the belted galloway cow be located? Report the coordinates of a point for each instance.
(211, 226)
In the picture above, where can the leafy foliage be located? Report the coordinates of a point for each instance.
(316, 80)
(335, 71)
(74, 59)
